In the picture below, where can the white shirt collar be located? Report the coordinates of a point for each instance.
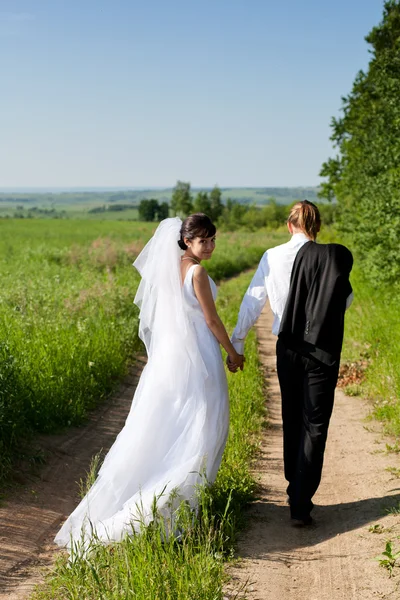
(299, 237)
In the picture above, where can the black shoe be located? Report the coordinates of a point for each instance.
(303, 521)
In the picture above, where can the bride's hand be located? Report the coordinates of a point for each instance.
(234, 362)
(231, 367)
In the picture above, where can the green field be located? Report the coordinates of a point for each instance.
(67, 321)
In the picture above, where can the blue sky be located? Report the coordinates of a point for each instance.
(142, 93)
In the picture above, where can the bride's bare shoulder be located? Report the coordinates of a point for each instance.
(200, 273)
(201, 280)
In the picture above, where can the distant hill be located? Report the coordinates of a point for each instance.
(76, 200)
(283, 195)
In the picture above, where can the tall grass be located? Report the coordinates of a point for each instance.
(373, 335)
(68, 326)
(154, 566)
(372, 338)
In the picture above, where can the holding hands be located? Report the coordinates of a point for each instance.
(235, 361)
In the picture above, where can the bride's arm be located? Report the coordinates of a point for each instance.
(202, 289)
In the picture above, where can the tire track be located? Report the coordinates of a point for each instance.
(31, 516)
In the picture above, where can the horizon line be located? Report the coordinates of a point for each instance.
(16, 189)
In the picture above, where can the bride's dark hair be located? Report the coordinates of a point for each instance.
(197, 225)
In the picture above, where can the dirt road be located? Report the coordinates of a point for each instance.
(30, 518)
(335, 559)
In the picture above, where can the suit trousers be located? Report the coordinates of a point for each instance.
(307, 389)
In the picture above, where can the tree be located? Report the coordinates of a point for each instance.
(202, 203)
(181, 201)
(253, 218)
(148, 209)
(365, 174)
(217, 208)
(229, 203)
(163, 211)
(274, 214)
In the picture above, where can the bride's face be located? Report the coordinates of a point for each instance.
(202, 248)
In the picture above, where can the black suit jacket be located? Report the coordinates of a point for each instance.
(313, 319)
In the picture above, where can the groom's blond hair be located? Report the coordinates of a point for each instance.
(305, 215)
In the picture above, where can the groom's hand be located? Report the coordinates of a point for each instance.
(236, 363)
(231, 366)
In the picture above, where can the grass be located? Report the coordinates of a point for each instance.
(391, 558)
(91, 474)
(68, 326)
(372, 343)
(154, 566)
(373, 336)
(395, 471)
(393, 448)
(394, 510)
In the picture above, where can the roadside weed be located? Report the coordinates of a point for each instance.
(377, 528)
(395, 471)
(91, 474)
(391, 557)
(394, 510)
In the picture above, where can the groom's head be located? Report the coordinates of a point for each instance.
(304, 217)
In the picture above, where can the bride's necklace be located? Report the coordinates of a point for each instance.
(190, 258)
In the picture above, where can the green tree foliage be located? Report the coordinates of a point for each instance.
(274, 214)
(163, 211)
(242, 216)
(151, 210)
(232, 215)
(365, 175)
(216, 208)
(202, 204)
(328, 212)
(181, 201)
(148, 210)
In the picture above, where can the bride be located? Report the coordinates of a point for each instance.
(177, 427)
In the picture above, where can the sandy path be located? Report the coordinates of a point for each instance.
(334, 559)
(30, 518)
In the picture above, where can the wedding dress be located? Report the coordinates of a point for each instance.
(176, 431)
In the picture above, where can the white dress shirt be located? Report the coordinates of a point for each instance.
(271, 280)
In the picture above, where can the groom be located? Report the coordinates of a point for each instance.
(308, 354)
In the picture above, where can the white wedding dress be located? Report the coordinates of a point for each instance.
(177, 427)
